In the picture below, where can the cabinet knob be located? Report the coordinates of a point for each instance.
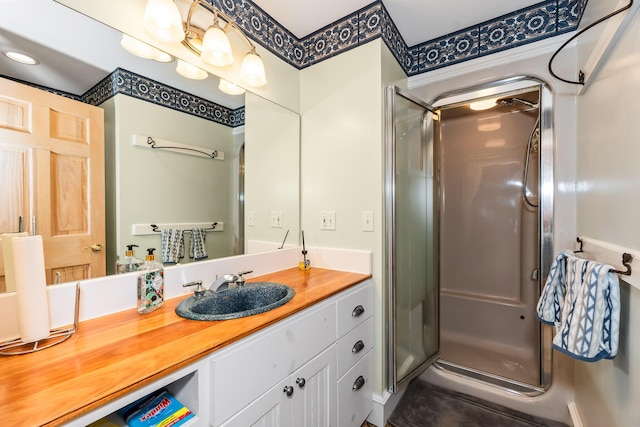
(357, 385)
(288, 390)
(357, 347)
(357, 311)
(301, 382)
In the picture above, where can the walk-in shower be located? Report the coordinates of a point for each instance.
(469, 234)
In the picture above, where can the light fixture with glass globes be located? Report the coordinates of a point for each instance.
(144, 50)
(190, 71)
(229, 88)
(162, 19)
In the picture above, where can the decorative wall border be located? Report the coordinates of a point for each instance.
(546, 19)
(540, 21)
(121, 81)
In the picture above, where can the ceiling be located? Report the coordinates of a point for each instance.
(59, 37)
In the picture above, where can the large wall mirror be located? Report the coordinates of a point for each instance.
(257, 181)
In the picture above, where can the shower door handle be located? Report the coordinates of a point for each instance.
(534, 274)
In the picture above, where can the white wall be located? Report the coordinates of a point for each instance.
(272, 173)
(341, 158)
(155, 186)
(608, 392)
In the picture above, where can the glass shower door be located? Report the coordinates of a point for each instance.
(411, 247)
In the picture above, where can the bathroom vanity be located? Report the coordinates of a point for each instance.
(308, 359)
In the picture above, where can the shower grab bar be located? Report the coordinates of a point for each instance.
(627, 258)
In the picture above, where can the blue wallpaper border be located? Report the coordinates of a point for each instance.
(540, 21)
(122, 81)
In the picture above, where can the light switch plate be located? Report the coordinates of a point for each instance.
(367, 220)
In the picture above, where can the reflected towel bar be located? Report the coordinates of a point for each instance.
(157, 229)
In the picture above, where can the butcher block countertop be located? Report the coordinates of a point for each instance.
(113, 355)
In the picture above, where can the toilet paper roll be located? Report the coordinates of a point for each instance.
(31, 288)
(7, 256)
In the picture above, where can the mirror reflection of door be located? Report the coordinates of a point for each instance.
(52, 169)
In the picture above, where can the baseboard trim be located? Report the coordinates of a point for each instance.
(576, 421)
(383, 406)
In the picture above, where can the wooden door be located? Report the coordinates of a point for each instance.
(52, 169)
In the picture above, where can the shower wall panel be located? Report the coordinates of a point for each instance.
(489, 245)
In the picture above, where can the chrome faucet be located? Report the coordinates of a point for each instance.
(199, 289)
(222, 282)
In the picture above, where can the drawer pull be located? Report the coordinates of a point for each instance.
(301, 382)
(357, 347)
(357, 385)
(288, 390)
(357, 311)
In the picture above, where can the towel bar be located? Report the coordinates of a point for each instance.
(157, 229)
(626, 260)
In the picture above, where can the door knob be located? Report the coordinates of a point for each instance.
(95, 247)
(301, 382)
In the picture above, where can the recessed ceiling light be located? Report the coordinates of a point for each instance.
(20, 57)
(485, 104)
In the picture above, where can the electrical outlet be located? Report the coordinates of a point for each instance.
(276, 219)
(251, 220)
(327, 220)
(367, 220)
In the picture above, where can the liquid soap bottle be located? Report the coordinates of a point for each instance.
(150, 284)
(130, 262)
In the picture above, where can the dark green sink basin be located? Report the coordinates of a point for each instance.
(253, 298)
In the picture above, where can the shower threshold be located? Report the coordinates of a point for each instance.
(504, 384)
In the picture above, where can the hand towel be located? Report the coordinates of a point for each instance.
(551, 300)
(197, 248)
(590, 323)
(172, 245)
(582, 300)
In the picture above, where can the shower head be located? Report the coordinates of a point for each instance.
(510, 102)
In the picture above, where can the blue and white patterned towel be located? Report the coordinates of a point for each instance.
(197, 248)
(172, 245)
(588, 320)
(549, 307)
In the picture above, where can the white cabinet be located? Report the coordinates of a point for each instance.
(243, 372)
(325, 349)
(314, 392)
(310, 370)
(303, 399)
(189, 385)
(354, 345)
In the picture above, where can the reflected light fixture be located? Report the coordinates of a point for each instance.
(212, 45)
(484, 104)
(229, 88)
(190, 71)
(162, 20)
(144, 50)
(20, 57)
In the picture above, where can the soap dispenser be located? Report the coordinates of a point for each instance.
(150, 284)
(129, 263)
